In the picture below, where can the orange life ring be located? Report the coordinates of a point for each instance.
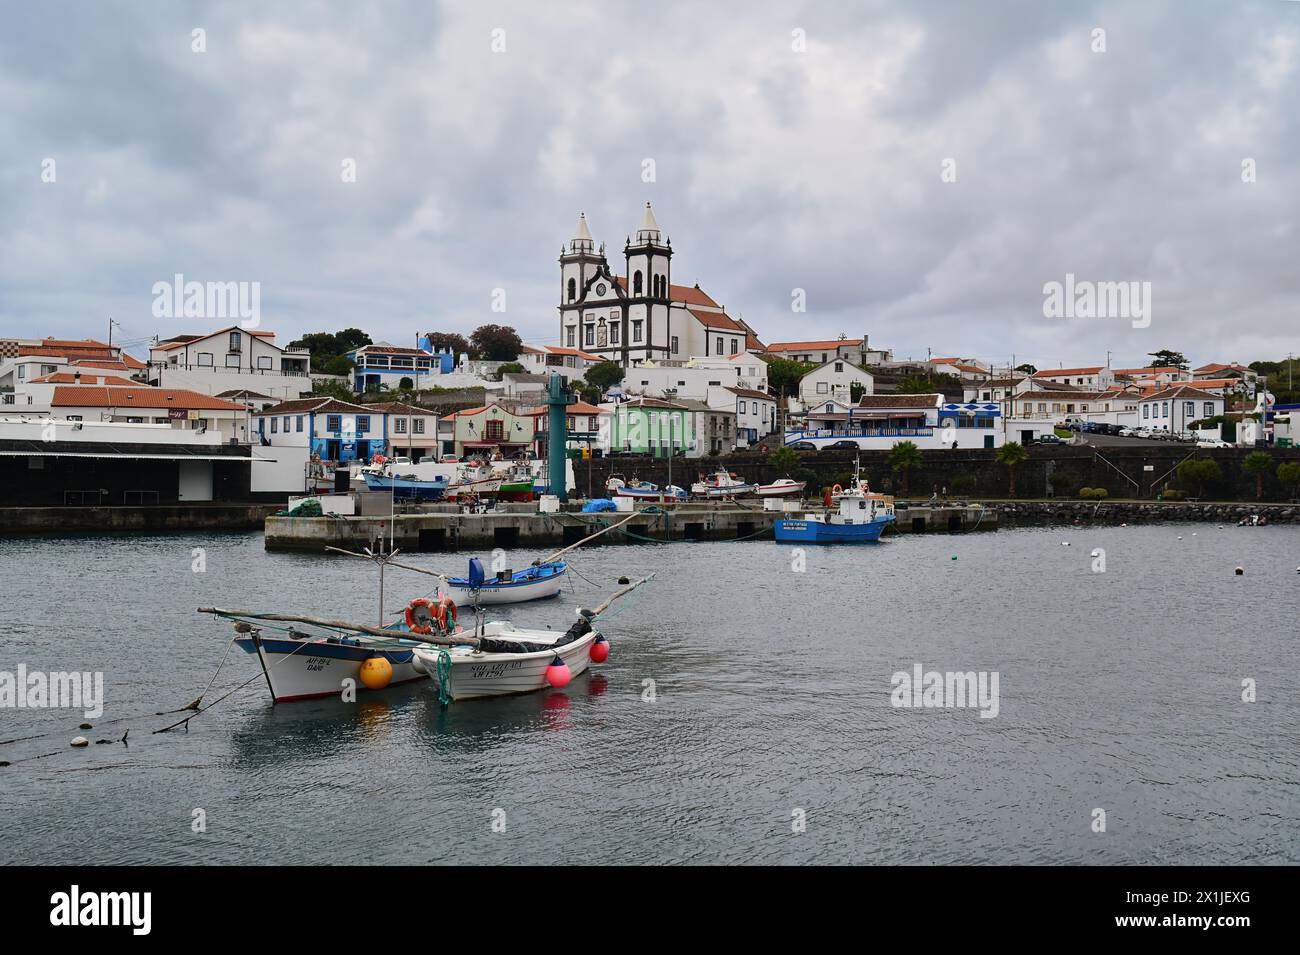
(411, 623)
(836, 489)
(446, 613)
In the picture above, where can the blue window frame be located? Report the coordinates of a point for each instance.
(363, 423)
(334, 423)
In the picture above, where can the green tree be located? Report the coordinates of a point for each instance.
(350, 339)
(931, 384)
(406, 384)
(903, 457)
(784, 374)
(496, 343)
(783, 458)
(332, 389)
(856, 391)
(1258, 463)
(1197, 472)
(449, 341)
(1288, 473)
(338, 365)
(1011, 454)
(604, 375)
(1167, 358)
(1027, 369)
(510, 368)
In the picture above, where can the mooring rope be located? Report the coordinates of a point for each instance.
(444, 676)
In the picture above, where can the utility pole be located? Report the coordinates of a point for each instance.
(111, 323)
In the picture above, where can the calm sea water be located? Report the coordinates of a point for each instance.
(1118, 690)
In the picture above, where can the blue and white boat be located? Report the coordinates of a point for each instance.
(860, 517)
(644, 490)
(507, 587)
(404, 487)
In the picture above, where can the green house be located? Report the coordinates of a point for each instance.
(652, 426)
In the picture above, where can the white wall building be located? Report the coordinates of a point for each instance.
(878, 422)
(755, 412)
(835, 379)
(1097, 377)
(231, 359)
(175, 407)
(1174, 409)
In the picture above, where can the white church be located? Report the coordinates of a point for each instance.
(641, 315)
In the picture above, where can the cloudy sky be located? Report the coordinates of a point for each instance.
(794, 146)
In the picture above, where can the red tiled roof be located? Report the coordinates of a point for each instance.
(90, 363)
(578, 407)
(558, 350)
(1181, 391)
(303, 405)
(138, 397)
(689, 295)
(805, 346)
(898, 401)
(750, 393)
(401, 408)
(70, 378)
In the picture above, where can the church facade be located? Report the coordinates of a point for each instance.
(640, 315)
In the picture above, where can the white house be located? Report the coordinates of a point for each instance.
(878, 422)
(231, 359)
(676, 381)
(835, 379)
(140, 404)
(412, 431)
(750, 371)
(543, 359)
(335, 430)
(23, 360)
(1174, 409)
(1092, 376)
(755, 412)
(858, 351)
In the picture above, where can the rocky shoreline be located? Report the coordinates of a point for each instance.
(1032, 513)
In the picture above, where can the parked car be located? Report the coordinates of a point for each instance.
(1142, 432)
(803, 446)
(843, 446)
(1048, 439)
(1212, 443)
(1128, 433)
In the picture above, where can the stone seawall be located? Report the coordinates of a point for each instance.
(1041, 513)
(138, 520)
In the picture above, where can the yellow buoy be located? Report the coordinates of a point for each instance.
(376, 673)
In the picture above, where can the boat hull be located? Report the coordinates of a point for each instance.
(820, 532)
(779, 490)
(510, 592)
(735, 490)
(477, 675)
(422, 490)
(312, 670)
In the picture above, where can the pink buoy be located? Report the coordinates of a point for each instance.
(557, 674)
(600, 649)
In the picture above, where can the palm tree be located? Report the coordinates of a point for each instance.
(1011, 454)
(1258, 463)
(904, 456)
(1288, 473)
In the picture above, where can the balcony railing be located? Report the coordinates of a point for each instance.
(860, 433)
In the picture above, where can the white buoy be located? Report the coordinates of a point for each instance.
(1065, 543)
(80, 741)
(1180, 536)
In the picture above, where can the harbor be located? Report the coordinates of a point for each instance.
(445, 527)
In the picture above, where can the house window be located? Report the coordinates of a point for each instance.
(264, 362)
(334, 423)
(399, 426)
(74, 417)
(636, 331)
(261, 426)
(735, 348)
(742, 407)
(1189, 409)
(589, 338)
(719, 346)
(1146, 411)
(417, 425)
(494, 430)
(275, 425)
(235, 342)
(613, 334)
(300, 424)
(1209, 409)
(363, 423)
(675, 345)
(636, 283)
(1164, 409)
(135, 420)
(286, 424)
(839, 367)
(822, 388)
(573, 290)
(22, 371)
(232, 361)
(205, 359)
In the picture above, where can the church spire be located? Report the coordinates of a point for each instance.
(648, 231)
(582, 241)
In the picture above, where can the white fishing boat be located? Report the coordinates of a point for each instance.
(510, 660)
(721, 484)
(783, 487)
(316, 658)
(644, 490)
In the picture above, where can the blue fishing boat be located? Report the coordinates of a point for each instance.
(508, 586)
(860, 517)
(410, 488)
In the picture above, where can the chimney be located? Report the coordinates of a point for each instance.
(76, 377)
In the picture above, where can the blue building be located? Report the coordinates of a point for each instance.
(387, 365)
(335, 430)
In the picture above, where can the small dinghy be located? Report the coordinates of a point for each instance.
(508, 586)
(780, 488)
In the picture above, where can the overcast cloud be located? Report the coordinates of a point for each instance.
(775, 169)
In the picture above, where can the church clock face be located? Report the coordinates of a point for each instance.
(600, 289)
